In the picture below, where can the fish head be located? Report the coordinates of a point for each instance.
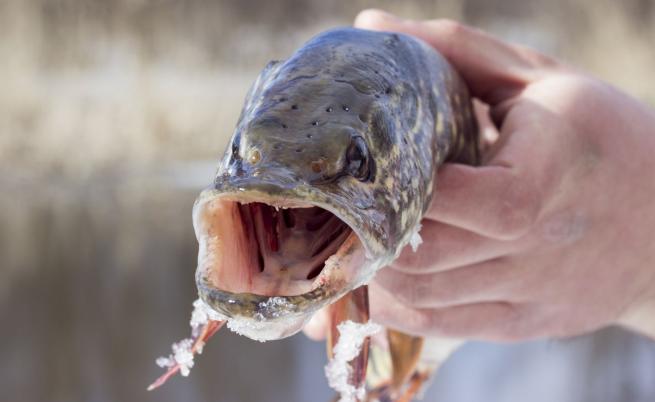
(304, 206)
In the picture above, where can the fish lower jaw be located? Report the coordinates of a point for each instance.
(263, 331)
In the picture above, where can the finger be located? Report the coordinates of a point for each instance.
(495, 321)
(526, 167)
(492, 201)
(491, 280)
(494, 70)
(317, 327)
(487, 129)
(448, 247)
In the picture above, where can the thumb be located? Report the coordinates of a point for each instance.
(494, 70)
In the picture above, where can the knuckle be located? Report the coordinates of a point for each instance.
(519, 325)
(584, 90)
(425, 292)
(447, 29)
(579, 87)
(410, 295)
(421, 325)
(583, 86)
(443, 323)
(423, 260)
(538, 59)
(402, 287)
(439, 294)
(503, 323)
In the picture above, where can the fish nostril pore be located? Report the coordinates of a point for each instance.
(254, 157)
(318, 165)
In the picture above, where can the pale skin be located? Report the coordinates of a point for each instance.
(554, 235)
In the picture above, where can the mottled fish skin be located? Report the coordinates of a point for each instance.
(350, 92)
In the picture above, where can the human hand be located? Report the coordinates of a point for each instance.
(554, 235)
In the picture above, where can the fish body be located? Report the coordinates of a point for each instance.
(328, 174)
(355, 123)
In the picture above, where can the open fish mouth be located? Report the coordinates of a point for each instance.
(270, 258)
(267, 250)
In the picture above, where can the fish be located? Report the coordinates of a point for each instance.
(329, 171)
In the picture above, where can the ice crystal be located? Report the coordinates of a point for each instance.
(202, 314)
(182, 355)
(416, 239)
(338, 371)
(182, 350)
(248, 328)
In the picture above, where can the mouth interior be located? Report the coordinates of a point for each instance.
(266, 250)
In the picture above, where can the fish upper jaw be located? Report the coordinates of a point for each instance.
(354, 202)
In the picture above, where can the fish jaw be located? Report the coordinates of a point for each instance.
(242, 273)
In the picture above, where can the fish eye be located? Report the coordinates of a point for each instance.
(358, 160)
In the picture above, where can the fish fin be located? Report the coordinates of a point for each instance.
(351, 307)
(405, 351)
(400, 370)
(395, 369)
(208, 330)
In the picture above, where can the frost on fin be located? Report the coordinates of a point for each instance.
(338, 370)
(415, 240)
(203, 326)
(182, 356)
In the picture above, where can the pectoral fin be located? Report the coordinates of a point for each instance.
(405, 352)
(352, 307)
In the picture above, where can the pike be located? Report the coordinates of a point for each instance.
(325, 180)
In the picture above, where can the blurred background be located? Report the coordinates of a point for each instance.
(112, 117)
